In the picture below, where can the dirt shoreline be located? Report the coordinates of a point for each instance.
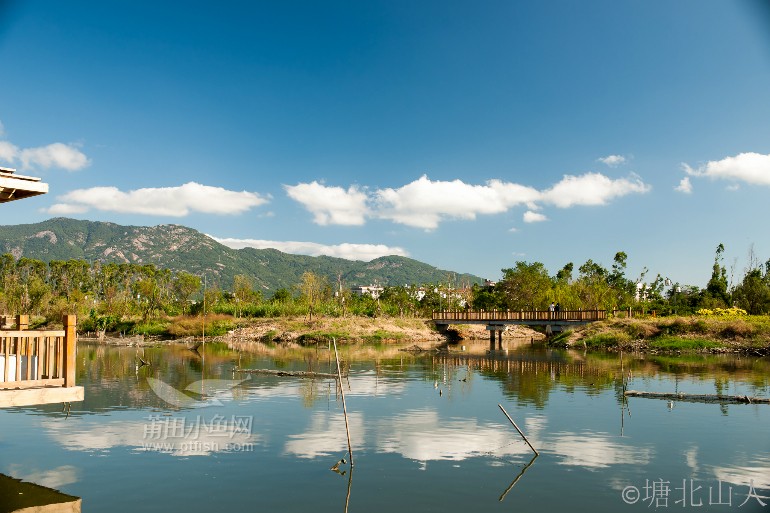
(346, 330)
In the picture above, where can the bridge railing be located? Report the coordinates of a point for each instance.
(520, 315)
(32, 359)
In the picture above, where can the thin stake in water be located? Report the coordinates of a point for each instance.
(344, 407)
(512, 422)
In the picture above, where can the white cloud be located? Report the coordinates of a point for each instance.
(55, 155)
(592, 189)
(8, 151)
(534, 217)
(64, 209)
(752, 168)
(425, 203)
(347, 251)
(163, 201)
(612, 160)
(684, 186)
(331, 205)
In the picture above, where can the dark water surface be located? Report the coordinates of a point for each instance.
(427, 433)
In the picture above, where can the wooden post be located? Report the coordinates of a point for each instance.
(22, 322)
(70, 343)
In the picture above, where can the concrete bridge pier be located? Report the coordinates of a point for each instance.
(495, 329)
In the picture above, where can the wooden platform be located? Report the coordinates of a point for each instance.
(38, 367)
(42, 395)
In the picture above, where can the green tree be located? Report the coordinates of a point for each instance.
(243, 291)
(592, 287)
(526, 287)
(487, 297)
(753, 293)
(185, 285)
(400, 298)
(565, 273)
(281, 296)
(312, 290)
(717, 285)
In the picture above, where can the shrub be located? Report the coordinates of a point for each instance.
(603, 340)
(685, 344)
(722, 312)
(187, 326)
(155, 327)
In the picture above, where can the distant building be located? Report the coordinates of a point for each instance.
(370, 290)
(418, 293)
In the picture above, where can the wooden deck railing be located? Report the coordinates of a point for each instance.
(32, 359)
(520, 315)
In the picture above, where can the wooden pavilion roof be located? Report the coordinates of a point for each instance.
(14, 187)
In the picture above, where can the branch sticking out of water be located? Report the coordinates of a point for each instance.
(296, 374)
(700, 398)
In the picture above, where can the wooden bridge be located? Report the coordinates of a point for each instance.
(496, 320)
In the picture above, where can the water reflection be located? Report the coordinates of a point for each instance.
(566, 403)
(595, 450)
(517, 478)
(326, 436)
(53, 478)
(528, 375)
(754, 467)
(20, 496)
(422, 435)
(200, 435)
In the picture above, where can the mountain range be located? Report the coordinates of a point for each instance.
(179, 248)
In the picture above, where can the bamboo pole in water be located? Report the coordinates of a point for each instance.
(344, 407)
(517, 429)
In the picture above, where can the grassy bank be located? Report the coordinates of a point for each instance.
(749, 334)
(300, 330)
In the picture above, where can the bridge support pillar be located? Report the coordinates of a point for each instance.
(498, 330)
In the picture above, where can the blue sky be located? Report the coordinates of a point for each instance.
(467, 135)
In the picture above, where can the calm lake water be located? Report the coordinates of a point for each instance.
(427, 433)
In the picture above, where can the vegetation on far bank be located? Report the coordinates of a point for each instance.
(698, 333)
(143, 299)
